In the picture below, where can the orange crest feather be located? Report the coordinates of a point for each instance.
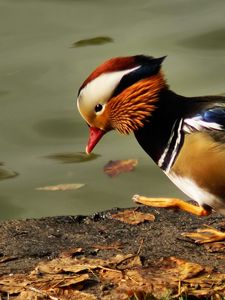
(130, 108)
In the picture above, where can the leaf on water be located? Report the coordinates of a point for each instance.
(61, 187)
(133, 217)
(99, 40)
(77, 157)
(115, 167)
(6, 174)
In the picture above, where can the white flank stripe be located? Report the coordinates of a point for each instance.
(197, 124)
(162, 157)
(176, 146)
(175, 149)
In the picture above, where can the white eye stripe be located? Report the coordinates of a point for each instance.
(99, 90)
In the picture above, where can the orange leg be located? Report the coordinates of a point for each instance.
(206, 235)
(173, 203)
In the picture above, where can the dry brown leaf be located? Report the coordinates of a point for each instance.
(71, 252)
(17, 283)
(183, 269)
(115, 167)
(76, 265)
(215, 247)
(69, 264)
(174, 275)
(62, 294)
(207, 283)
(31, 295)
(72, 295)
(60, 276)
(60, 279)
(74, 280)
(36, 294)
(54, 294)
(133, 217)
(7, 258)
(110, 275)
(13, 284)
(124, 261)
(61, 187)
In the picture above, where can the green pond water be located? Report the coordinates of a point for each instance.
(47, 48)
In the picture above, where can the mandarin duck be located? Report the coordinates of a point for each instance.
(184, 136)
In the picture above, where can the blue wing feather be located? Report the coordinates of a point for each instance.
(215, 115)
(212, 119)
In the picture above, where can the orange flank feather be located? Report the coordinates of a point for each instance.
(129, 109)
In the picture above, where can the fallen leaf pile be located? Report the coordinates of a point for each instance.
(115, 167)
(119, 277)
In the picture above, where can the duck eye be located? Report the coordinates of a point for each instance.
(98, 107)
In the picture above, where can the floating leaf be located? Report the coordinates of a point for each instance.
(6, 174)
(77, 157)
(61, 187)
(133, 217)
(99, 40)
(115, 167)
